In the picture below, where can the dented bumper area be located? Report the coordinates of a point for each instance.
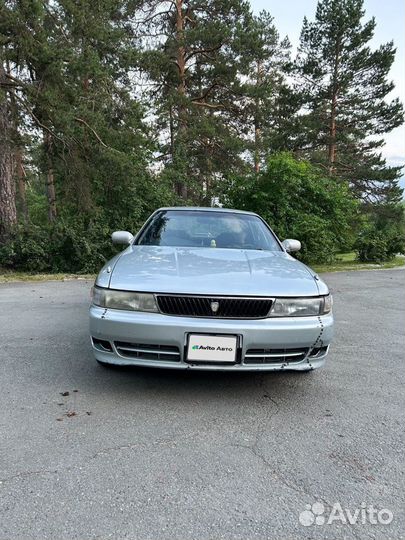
(157, 340)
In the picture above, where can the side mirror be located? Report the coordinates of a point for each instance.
(122, 237)
(291, 245)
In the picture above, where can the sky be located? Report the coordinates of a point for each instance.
(390, 18)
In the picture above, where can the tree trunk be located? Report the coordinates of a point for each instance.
(181, 188)
(181, 56)
(257, 119)
(332, 137)
(21, 184)
(8, 211)
(171, 128)
(332, 118)
(19, 169)
(50, 179)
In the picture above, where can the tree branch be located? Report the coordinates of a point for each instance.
(81, 121)
(37, 120)
(151, 17)
(205, 94)
(203, 51)
(210, 105)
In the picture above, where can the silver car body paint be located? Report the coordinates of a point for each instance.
(210, 272)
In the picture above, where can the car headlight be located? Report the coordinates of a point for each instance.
(301, 307)
(131, 301)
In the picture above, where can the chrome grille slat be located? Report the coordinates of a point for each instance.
(274, 356)
(200, 306)
(133, 349)
(147, 351)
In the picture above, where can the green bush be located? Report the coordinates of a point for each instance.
(78, 250)
(371, 248)
(29, 249)
(317, 241)
(79, 241)
(379, 246)
(58, 248)
(383, 235)
(299, 202)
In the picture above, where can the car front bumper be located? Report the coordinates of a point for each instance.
(149, 339)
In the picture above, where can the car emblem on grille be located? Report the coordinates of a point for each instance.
(214, 307)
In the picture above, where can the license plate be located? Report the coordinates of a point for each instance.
(203, 348)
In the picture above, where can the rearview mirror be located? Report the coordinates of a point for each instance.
(291, 245)
(122, 237)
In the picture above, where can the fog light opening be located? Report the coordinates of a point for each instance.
(102, 345)
(318, 351)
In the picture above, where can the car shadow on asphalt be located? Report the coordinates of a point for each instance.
(128, 379)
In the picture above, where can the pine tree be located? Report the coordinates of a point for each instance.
(104, 122)
(68, 67)
(191, 66)
(262, 65)
(344, 85)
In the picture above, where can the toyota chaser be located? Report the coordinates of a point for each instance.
(213, 289)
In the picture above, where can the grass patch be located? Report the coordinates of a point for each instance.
(8, 276)
(347, 262)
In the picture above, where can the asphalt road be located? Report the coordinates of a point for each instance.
(165, 455)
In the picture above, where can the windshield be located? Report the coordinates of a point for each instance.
(208, 229)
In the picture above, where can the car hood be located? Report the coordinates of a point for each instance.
(209, 271)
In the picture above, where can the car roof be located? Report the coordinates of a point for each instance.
(206, 209)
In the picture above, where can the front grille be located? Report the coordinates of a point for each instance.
(214, 306)
(274, 356)
(144, 351)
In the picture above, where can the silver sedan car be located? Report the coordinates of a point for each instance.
(213, 289)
